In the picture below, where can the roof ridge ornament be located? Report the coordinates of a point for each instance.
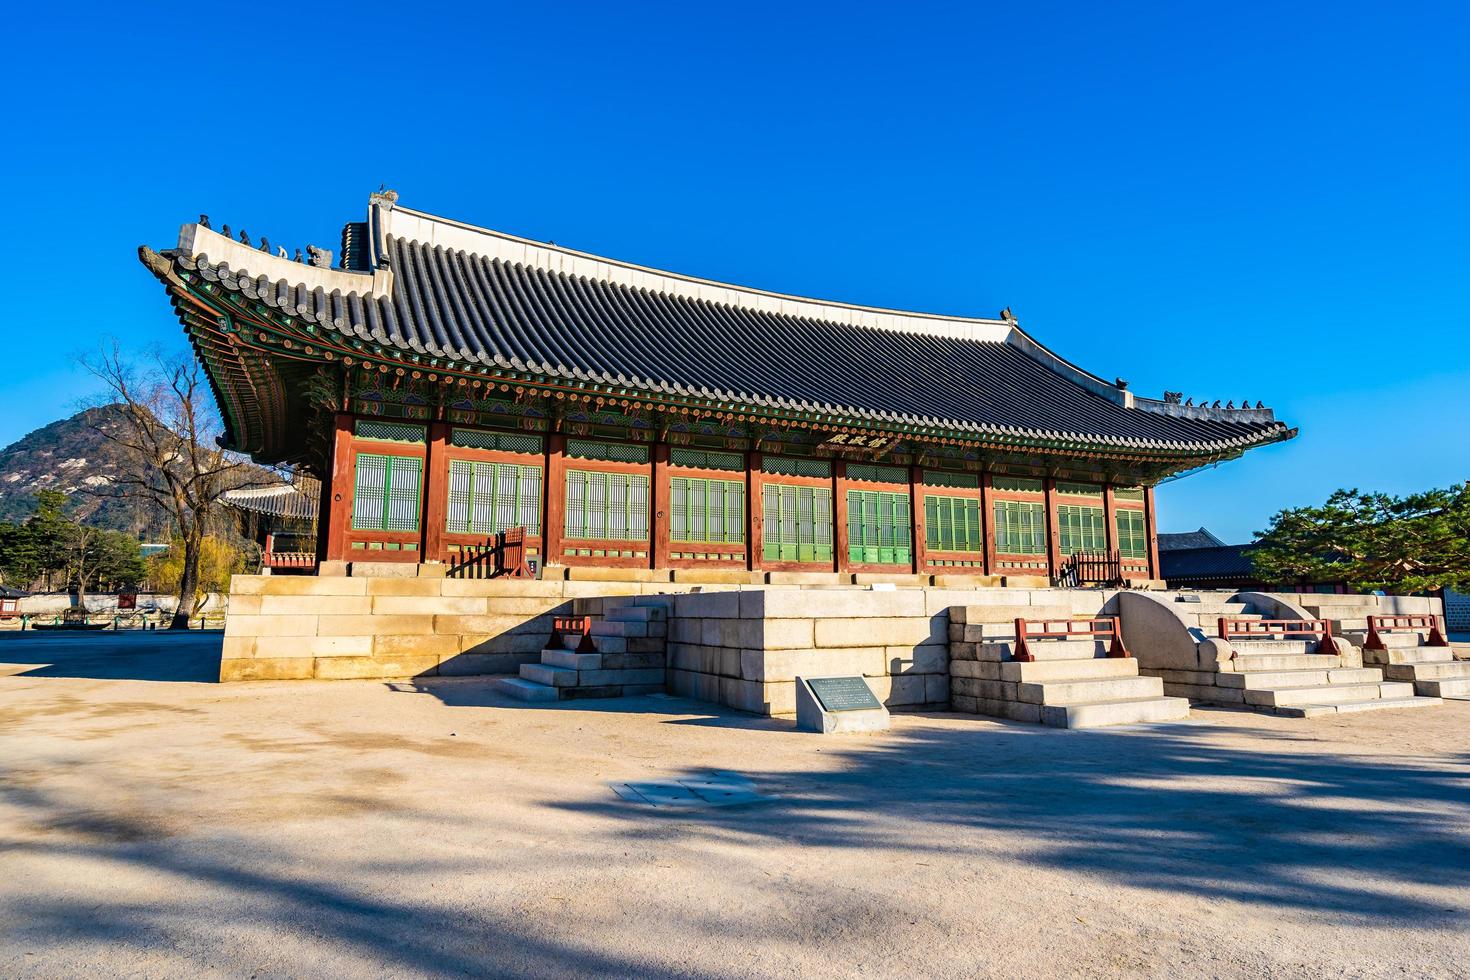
(384, 196)
(1008, 316)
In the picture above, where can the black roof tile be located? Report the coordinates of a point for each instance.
(476, 310)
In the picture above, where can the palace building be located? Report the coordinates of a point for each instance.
(449, 382)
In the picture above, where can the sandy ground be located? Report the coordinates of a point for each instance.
(152, 824)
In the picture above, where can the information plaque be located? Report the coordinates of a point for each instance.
(843, 693)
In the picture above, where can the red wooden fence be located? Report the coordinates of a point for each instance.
(1097, 627)
(1385, 624)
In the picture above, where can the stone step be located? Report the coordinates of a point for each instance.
(1323, 600)
(1043, 650)
(1457, 688)
(571, 659)
(1122, 711)
(1285, 697)
(1215, 608)
(636, 614)
(1400, 641)
(1038, 671)
(1246, 662)
(603, 678)
(1259, 680)
(524, 690)
(1319, 710)
(1083, 691)
(550, 675)
(1448, 670)
(664, 602)
(1347, 624)
(628, 628)
(1252, 648)
(1410, 655)
(1066, 649)
(610, 691)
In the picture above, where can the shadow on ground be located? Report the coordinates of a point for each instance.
(1277, 822)
(1149, 807)
(152, 655)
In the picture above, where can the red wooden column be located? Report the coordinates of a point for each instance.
(658, 553)
(839, 515)
(987, 517)
(920, 550)
(755, 512)
(1152, 528)
(341, 483)
(1053, 529)
(436, 493)
(556, 499)
(1110, 517)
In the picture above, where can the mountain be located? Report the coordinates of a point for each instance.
(70, 455)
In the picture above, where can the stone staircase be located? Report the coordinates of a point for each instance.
(1287, 676)
(1072, 683)
(1433, 671)
(629, 639)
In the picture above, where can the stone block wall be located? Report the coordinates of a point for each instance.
(284, 627)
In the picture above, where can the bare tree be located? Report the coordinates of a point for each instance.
(170, 429)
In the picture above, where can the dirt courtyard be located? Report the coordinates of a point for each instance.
(155, 824)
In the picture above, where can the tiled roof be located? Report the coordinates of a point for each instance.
(286, 500)
(1231, 561)
(1189, 539)
(644, 330)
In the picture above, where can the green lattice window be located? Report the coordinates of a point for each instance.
(608, 452)
(485, 498)
(1020, 528)
(869, 473)
(1132, 534)
(786, 466)
(879, 528)
(611, 506)
(388, 431)
(506, 442)
(1016, 484)
(705, 460)
(965, 481)
(798, 523)
(953, 524)
(1081, 528)
(712, 511)
(1134, 494)
(1079, 489)
(385, 496)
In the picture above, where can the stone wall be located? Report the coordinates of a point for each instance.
(745, 649)
(283, 627)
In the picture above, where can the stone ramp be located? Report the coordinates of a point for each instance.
(1071, 683)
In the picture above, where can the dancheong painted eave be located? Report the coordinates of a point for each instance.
(433, 294)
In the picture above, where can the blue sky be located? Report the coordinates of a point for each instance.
(1263, 201)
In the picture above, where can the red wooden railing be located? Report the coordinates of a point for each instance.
(1386, 624)
(577, 626)
(1098, 627)
(504, 555)
(1280, 629)
(272, 558)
